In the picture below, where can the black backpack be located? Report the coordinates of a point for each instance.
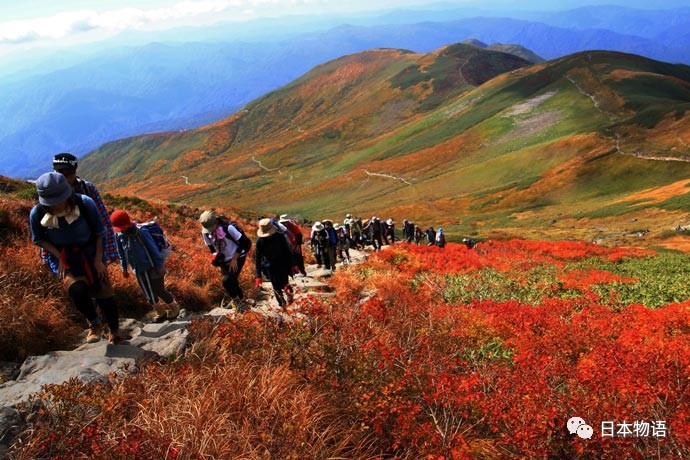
(244, 243)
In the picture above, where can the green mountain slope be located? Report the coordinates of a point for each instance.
(466, 137)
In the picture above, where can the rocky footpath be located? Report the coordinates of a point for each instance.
(95, 361)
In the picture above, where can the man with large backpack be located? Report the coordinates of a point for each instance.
(229, 246)
(66, 164)
(295, 237)
(273, 258)
(320, 243)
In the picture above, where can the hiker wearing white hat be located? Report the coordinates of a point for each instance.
(389, 231)
(375, 232)
(320, 243)
(343, 248)
(229, 246)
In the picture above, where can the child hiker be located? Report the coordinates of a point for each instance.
(138, 250)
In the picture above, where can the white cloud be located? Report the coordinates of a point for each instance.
(73, 23)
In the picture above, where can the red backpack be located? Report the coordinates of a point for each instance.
(294, 233)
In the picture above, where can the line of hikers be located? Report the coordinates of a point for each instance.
(331, 241)
(78, 238)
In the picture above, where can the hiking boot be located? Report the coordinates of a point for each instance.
(289, 294)
(241, 306)
(173, 310)
(114, 338)
(159, 316)
(94, 334)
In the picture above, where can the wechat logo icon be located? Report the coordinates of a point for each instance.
(579, 426)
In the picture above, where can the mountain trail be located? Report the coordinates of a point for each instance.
(92, 362)
(645, 156)
(617, 139)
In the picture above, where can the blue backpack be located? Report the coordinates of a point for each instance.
(158, 236)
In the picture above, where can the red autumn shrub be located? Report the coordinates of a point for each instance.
(412, 372)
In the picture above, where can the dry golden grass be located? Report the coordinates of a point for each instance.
(33, 318)
(35, 313)
(211, 403)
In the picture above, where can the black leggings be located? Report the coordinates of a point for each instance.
(231, 281)
(80, 295)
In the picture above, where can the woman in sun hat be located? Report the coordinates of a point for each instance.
(67, 225)
(273, 258)
(229, 247)
(343, 243)
(389, 231)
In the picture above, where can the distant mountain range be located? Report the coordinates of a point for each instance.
(173, 86)
(464, 136)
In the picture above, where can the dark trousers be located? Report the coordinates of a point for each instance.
(377, 241)
(298, 258)
(231, 281)
(153, 286)
(279, 282)
(80, 296)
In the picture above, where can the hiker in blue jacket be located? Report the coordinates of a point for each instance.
(332, 241)
(67, 225)
(138, 250)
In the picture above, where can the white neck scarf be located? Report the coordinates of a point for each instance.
(51, 220)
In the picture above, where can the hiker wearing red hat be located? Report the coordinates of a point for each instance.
(138, 249)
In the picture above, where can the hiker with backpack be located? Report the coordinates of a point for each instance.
(138, 249)
(354, 227)
(408, 230)
(229, 247)
(430, 236)
(388, 231)
(68, 226)
(417, 235)
(320, 243)
(294, 235)
(374, 230)
(332, 241)
(469, 242)
(440, 238)
(66, 164)
(343, 247)
(273, 258)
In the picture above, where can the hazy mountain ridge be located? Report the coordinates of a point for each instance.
(175, 86)
(516, 50)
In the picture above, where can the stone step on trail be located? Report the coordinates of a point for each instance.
(92, 362)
